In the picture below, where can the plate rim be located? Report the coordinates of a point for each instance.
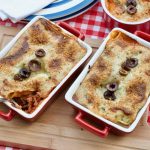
(83, 10)
(65, 16)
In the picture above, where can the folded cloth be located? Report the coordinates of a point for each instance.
(16, 10)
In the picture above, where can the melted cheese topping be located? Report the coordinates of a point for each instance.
(133, 89)
(63, 52)
(118, 9)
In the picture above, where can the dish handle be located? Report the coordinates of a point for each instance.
(72, 30)
(143, 35)
(102, 133)
(7, 116)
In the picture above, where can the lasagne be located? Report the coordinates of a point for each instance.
(129, 10)
(117, 85)
(38, 61)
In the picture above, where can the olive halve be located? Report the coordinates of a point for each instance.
(40, 53)
(112, 86)
(131, 62)
(34, 65)
(24, 73)
(125, 67)
(131, 2)
(109, 95)
(123, 72)
(131, 9)
(18, 77)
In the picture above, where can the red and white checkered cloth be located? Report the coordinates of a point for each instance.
(91, 23)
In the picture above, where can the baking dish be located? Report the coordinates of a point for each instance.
(84, 113)
(112, 22)
(66, 28)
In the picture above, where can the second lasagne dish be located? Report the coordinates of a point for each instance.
(117, 86)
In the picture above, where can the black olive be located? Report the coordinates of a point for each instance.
(131, 9)
(125, 67)
(109, 95)
(18, 77)
(112, 86)
(24, 73)
(131, 62)
(131, 2)
(34, 65)
(40, 53)
(123, 72)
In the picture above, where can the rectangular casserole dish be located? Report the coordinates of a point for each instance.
(86, 113)
(63, 27)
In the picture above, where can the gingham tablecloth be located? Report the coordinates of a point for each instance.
(91, 23)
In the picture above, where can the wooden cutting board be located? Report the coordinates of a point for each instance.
(56, 128)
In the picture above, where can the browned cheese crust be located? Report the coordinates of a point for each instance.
(63, 52)
(118, 9)
(133, 88)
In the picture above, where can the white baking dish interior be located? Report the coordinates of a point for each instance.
(76, 84)
(121, 21)
(12, 42)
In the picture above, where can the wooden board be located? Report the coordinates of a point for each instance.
(56, 128)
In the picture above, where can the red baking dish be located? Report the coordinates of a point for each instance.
(75, 70)
(83, 114)
(112, 22)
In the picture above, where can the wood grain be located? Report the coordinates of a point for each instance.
(56, 128)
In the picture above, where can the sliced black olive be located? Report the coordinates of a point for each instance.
(112, 86)
(131, 62)
(131, 9)
(40, 53)
(34, 65)
(131, 2)
(125, 67)
(24, 73)
(109, 95)
(18, 77)
(123, 72)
